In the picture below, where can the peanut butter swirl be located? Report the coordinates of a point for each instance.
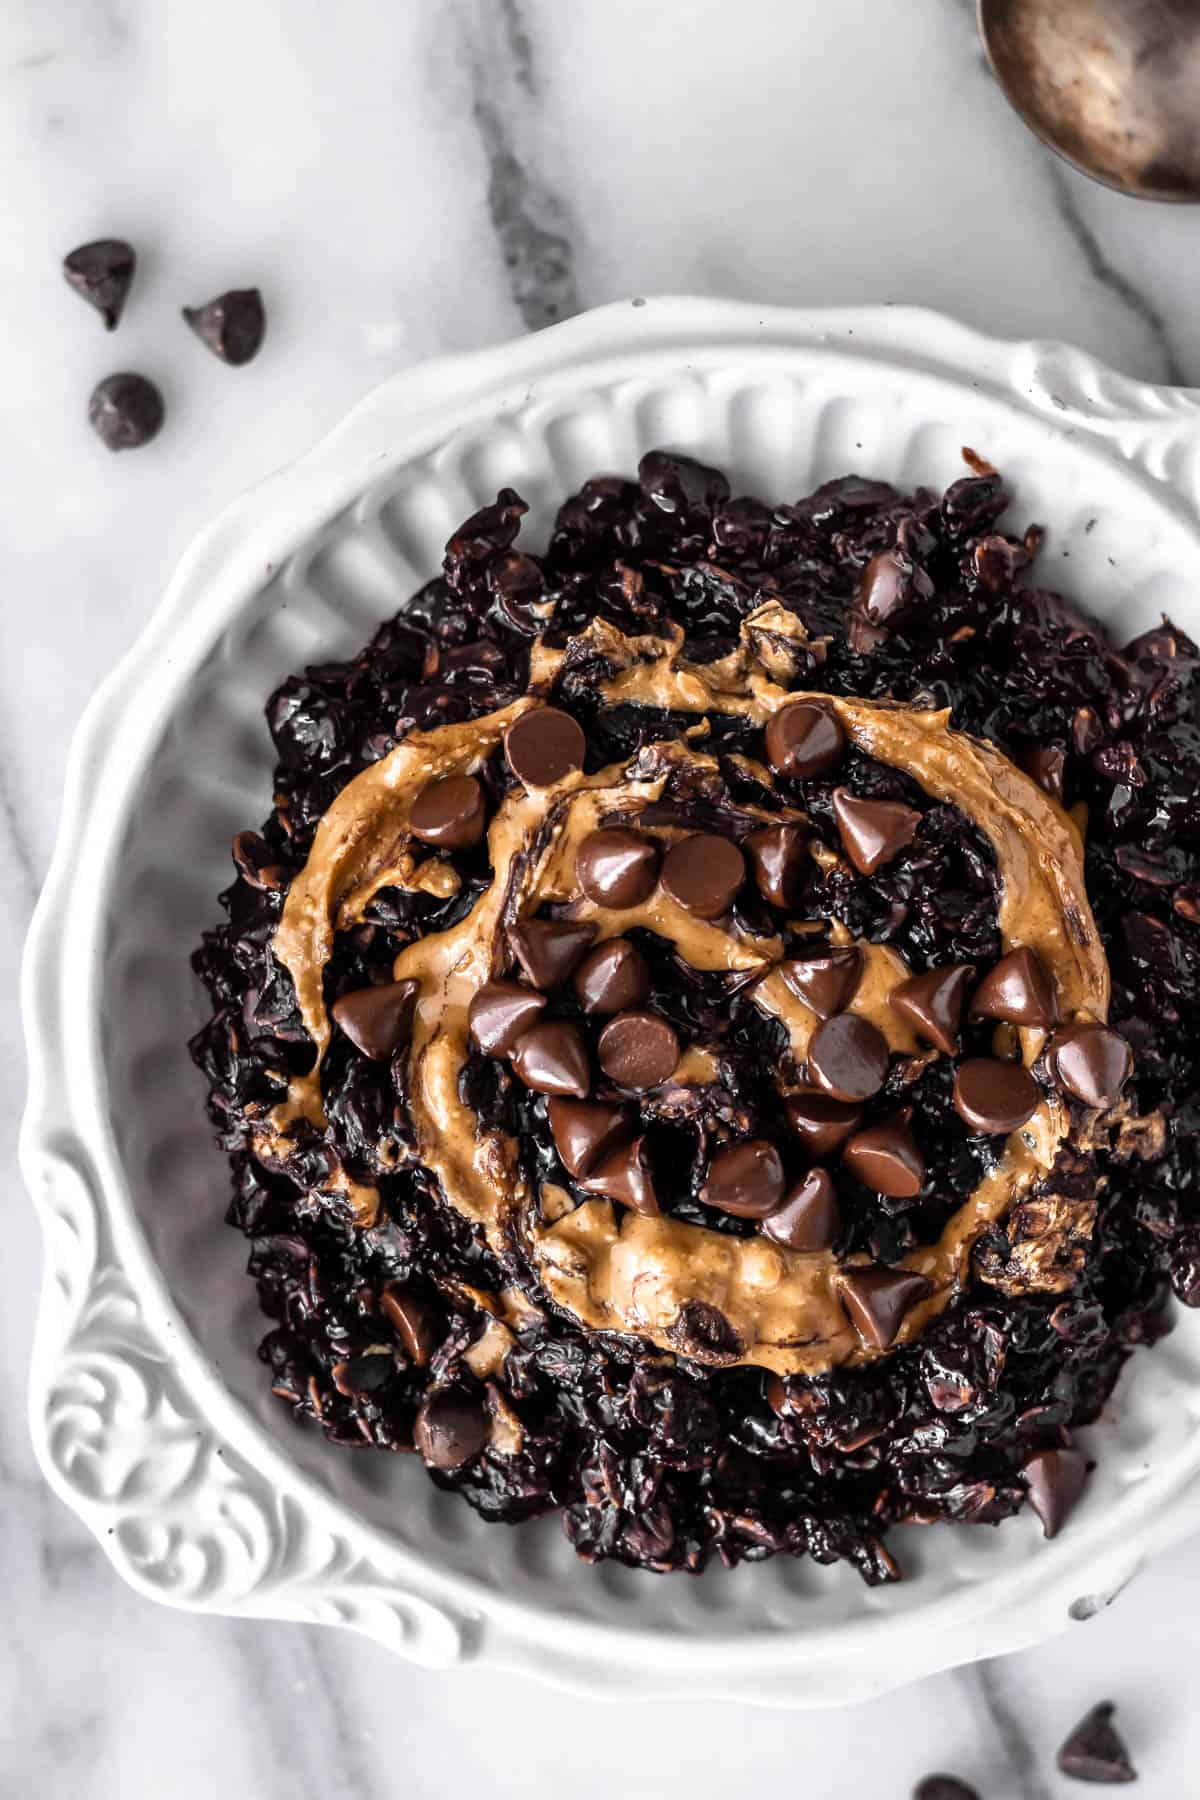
(612, 1269)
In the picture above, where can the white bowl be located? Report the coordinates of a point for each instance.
(151, 1414)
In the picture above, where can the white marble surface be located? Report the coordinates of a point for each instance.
(401, 177)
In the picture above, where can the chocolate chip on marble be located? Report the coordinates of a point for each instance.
(778, 857)
(745, 1179)
(804, 739)
(1094, 1752)
(993, 1097)
(451, 1428)
(412, 1320)
(1018, 990)
(549, 950)
(808, 1218)
(377, 1020)
(449, 812)
(944, 1787)
(1055, 1481)
(584, 1132)
(125, 411)
(102, 274)
(612, 978)
(873, 831)
(1091, 1062)
(886, 1157)
(638, 1050)
(933, 1003)
(232, 326)
(617, 867)
(626, 1177)
(820, 1122)
(544, 745)
(877, 1299)
(552, 1058)
(499, 1013)
(702, 873)
(848, 1057)
(826, 983)
(1048, 767)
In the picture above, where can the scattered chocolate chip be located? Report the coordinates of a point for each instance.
(231, 326)
(703, 873)
(612, 978)
(412, 1322)
(552, 1058)
(992, 1096)
(933, 1003)
(584, 1132)
(804, 739)
(848, 1057)
(944, 1787)
(499, 1013)
(449, 812)
(808, 1218)
(638, 1050)
(1090, 1062)
(825, 983)
(1049, 769)
(877, 1299)
(125, 411)
(451, 1428)
(616, 867)
(549, 950)
(377, 1020)
(822, 1123)
(873, 831)
(544, 745)
(745, 1179)
(625, 1176)
(1094, 1752)
(102, 273)
(1019, 990)
(886, 1157)
(1055, 1481)
(778, 856)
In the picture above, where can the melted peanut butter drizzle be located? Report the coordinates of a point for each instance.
(616, 1270)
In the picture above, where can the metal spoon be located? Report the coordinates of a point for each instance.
(1111, 85)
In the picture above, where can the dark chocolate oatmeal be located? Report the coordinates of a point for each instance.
(705, 1039)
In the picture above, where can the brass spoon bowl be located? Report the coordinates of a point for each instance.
(1111, 85)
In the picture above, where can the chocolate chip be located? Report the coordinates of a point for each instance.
(1091, 1062)
(552, 1058)
(500, 1011)
(544, 745)
(825, 983)
(822, 1123)
(231, 326)
(848, 1057)
(549, 950)
(1094, 1752)
(703, 873)
(1048, 768)
(377, 1020)
(102, 273)
(808, 1218)
(778, 859)
(584, 1132)
(616, 867)
(449, 812)
(1019, 990)
(873, 831)
(933, 1003)
(885, 587)
(451, 1428)
(638, 1050)
(125, 411)
(804, 739)
(704, 1333)
(1055, 1481)
(612, 978)
(886, 1158)
(745, 1179)
(992, 1096)
(877, 1299)
(625, 1176)
(412, 1321)
(944, 1787)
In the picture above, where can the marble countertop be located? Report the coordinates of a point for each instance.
(402, 177)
